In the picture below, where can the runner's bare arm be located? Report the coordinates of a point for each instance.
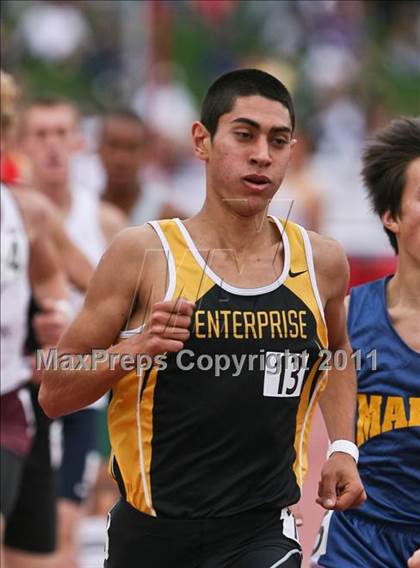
(45, 216)
(78, 269)
(47, 278)
(338, 401)
(103, 315)
(340, 486)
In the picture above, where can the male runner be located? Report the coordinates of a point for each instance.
(122, 145)
(29, 262)
(49, 137)
(384, 327)
(209, 453)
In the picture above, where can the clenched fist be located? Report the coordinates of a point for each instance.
(166, 329)
(340, 487)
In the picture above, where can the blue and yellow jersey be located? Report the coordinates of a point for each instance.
(388, 420)
(222, 427)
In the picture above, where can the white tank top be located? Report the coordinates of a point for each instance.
(83, 226)
(15, 294)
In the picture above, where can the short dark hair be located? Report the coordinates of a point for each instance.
(223, 93)
(385, 162)
(123, 113)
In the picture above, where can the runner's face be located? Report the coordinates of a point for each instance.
(249, 153)
(408, 232)
(49, 139)
(121, 149)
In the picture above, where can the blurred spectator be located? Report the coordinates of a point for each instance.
(123, 138)
(349, 219)
(333, 22)
(300, 198)
(188, 188)
(53, 31)
(167, 103)
(403, 53)
(330, 73)
(281, 26)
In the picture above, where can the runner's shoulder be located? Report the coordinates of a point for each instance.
(330, 259)
(133, 243)
(37, 210)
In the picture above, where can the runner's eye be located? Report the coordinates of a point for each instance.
(243, 135)
(280, 141)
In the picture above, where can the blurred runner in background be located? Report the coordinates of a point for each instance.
(49, 136)
(29, 264)
(123, 140)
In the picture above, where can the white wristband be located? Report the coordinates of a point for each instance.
(344, 446)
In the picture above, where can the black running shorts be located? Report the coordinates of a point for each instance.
(251, 540)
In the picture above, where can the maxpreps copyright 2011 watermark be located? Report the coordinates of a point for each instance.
(186, 360)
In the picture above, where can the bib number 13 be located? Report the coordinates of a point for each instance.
(284, 373)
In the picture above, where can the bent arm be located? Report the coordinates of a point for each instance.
(48, 281)
(340, 486)
(103, 315)
(47, 278)
(338, 401)
(44, 222)
(78, 268)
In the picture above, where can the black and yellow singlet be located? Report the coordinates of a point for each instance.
(221, 427)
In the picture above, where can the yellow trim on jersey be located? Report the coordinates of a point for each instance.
(132, 437)
(192, 283)
(146, 425)
(301, 285)
(122, 425)
(303, 421)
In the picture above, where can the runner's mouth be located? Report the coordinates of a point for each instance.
(256, 181)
